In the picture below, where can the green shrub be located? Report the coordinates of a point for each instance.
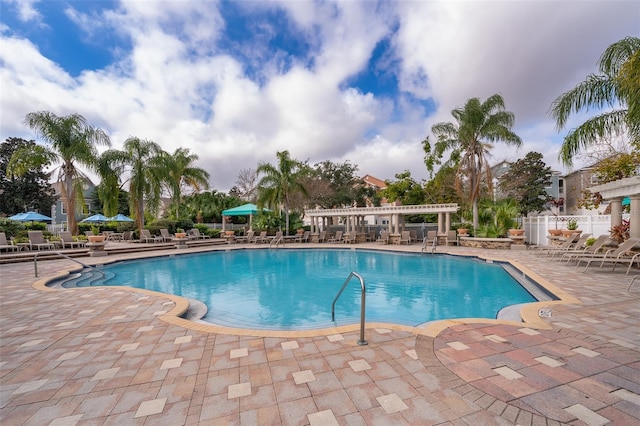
(10, 227)
(590, 241)
(184, 223)
(35, 226)
(204, 229)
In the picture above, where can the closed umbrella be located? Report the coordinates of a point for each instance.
(120, 218)
(96, 218)
(30, 217)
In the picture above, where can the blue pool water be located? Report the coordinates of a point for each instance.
(294, 289)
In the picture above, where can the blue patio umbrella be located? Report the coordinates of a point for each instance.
(96, 218)
(626, 201)
(120, 218)
(30, 217)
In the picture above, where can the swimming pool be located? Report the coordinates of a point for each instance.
(289, 289)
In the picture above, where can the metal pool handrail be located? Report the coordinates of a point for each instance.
(35, 262)
(361, 341)
(433, 245)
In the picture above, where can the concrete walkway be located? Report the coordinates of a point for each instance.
(103, 356)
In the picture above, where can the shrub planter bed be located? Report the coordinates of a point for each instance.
(486, 243)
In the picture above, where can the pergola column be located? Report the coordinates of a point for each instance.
(616, 211)
(447, 222)
(440, 223)
(634, 216)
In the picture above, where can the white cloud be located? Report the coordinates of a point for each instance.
(27, 11)
(176, 87)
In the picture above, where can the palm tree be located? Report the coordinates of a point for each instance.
(617, 86)
(182, 174)
(478, 124)
(71, 141)
(145, 164)
(278, 184)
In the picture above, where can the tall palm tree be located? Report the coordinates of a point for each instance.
(145, 165)
(182, 174)
(278, 184)
(617, 86)
(478, 125)
(69, 140)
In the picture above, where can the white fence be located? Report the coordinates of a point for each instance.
(536, 228)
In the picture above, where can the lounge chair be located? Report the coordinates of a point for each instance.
(146, 237)
(621, 254)
(5, 245)
(383, 238)
(246, 238)
(577, 246)
(37, 240)
(198, 236)
(66, 239)
(322, 237)
(405, 237)
(277, 239)
(127, 236)
(350, 237)
(165, 235)
(336, 238)
(590, 251)
(568, 243)
(430, 239)
(261, 238)
(304, 238)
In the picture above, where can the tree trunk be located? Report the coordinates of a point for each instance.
(475, 216)
(72, 223)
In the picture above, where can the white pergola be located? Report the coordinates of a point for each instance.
(615, 192)
(354, 217)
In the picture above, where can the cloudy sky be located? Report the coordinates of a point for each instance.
(362, 81)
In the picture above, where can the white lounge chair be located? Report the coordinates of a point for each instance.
(405, 237)
(336, 238)
(383, 238)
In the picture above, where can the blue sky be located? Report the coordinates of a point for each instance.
(361, 81)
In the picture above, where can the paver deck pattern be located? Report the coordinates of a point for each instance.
(103, 356)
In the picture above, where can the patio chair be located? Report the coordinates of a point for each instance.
(304, 238)
(350, 237)
(37, 240)
(246, 238)
(165, 235)
(336, 238)
(568, 243)
(383, 238)
(198, 236)
(576, 247)
(405, 237)
(127, 236)
(452, 238)
(66, 239)
(261, 238)
(430, 238)
(4, 244)
(587, 251)
(145, 237)
(615, 256)
(322, 237)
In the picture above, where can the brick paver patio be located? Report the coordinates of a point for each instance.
(104, 356)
